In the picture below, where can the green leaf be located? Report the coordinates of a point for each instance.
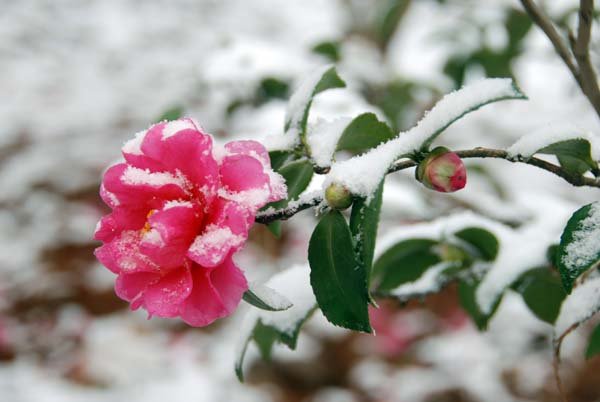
(297, 175)
(542, 292)
(265, 298)
(363, 133)
(468, 301)
(404, 262)
(271, 88)
(279, 158)
(579, 248)
(574, 155)
(301, 100)
(482, 241)
(364, 222)
(264, 337)
(593, 348)
(339, 282)
(172, 113)
(329, 49)
(388, 17)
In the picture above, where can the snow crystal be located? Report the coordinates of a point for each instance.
(429, 282)
(529, 144)
(252, 197)
(213, 239)
(134, 145)
(322, 138)
(579, 305)
(175, 126)
(270, 296)
(282, 142)
(362, 174)
(136, 176)
(153, 237)
(518, 254)
(177, 203)
(585, 245)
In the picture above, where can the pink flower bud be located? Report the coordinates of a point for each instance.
(442, 170)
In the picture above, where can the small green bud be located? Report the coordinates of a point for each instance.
(338, 196)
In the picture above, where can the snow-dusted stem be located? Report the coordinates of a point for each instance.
(574, 179)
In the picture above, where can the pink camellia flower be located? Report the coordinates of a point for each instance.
(442, 170)
(181, 208)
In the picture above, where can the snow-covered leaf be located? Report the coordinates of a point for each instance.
(322, 139)
(299, 105)
(579, 248)
(432, 280)
(338, 280)
(363, 133)
(573, 155)
(575, 149)
(267, 327)
(265, 298)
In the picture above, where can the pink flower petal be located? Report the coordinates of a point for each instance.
(172, 230)
(230, 283)
(187, 150)
(226, 232)
(133, 186)
(242, 172)
(164, 296)
(123, 255)
(120, 219)
(130, 287)
(251, 148)
(204, 304)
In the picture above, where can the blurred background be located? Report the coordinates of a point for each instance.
(79, 77)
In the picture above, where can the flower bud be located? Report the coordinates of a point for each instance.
(338, 196)
(442, 170)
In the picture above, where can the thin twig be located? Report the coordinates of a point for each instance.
(578, 62)
(286, 213)
(581, 51)
(574, 179)
(556, 361)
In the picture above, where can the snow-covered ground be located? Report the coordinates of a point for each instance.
(79, 77)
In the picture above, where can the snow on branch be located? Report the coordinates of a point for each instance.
(362, 174)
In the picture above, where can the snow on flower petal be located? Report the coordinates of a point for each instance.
(181, 207)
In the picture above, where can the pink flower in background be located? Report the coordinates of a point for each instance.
(181, 208)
